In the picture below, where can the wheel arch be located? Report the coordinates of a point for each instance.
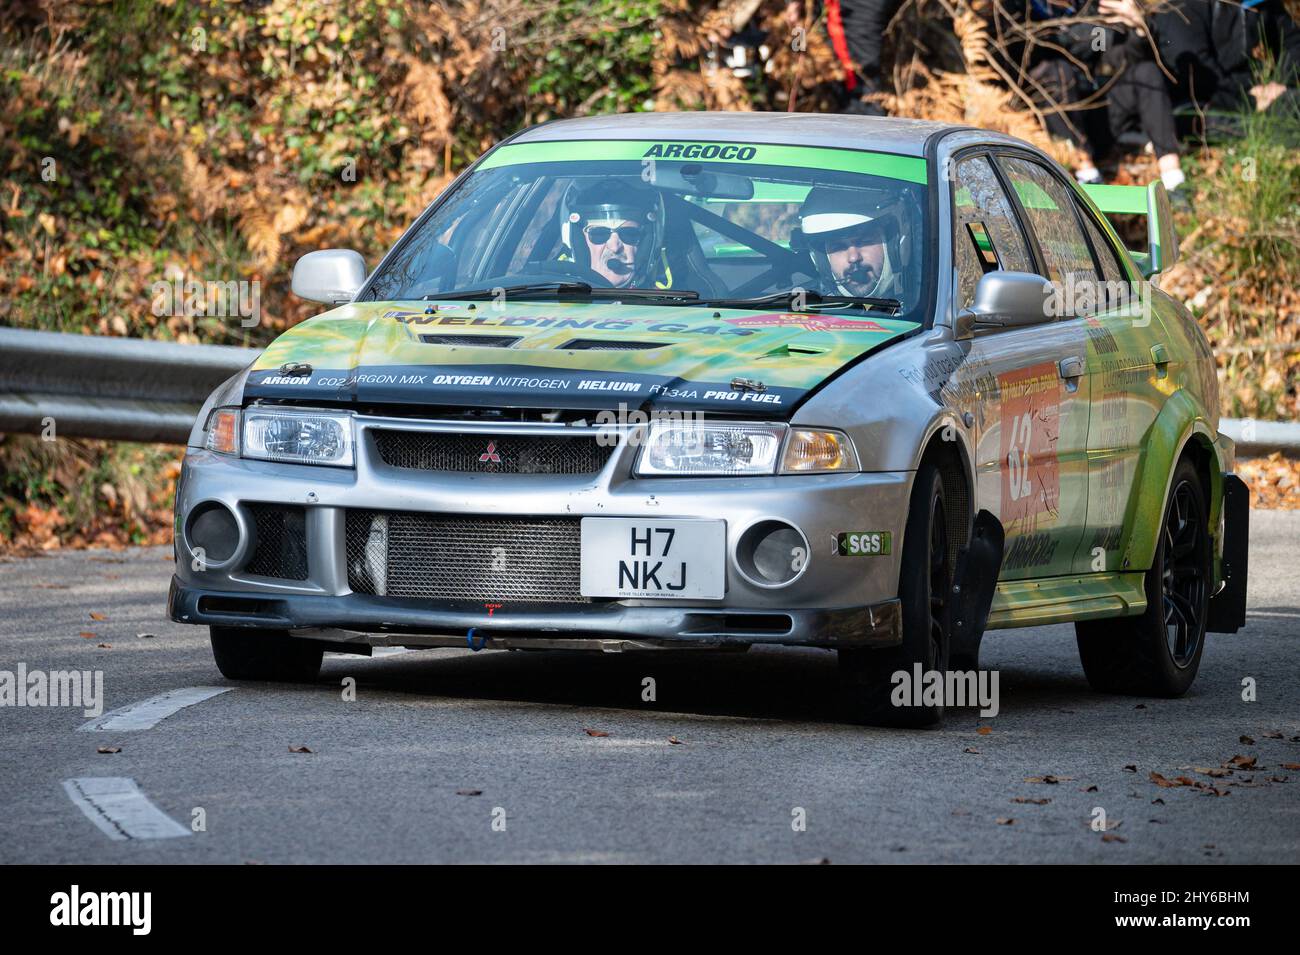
(1179, 429)
(945, 446)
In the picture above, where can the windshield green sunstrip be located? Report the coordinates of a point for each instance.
(888, 165)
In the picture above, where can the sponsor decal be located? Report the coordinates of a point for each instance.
(812, 323)
(700, 151)
(863, 544)
(1031, 422)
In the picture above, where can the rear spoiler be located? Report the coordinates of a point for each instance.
(1151, 201)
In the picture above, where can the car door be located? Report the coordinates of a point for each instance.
(1128, 366)
(1122, 343)
(1029, 382)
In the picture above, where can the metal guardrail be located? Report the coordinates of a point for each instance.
(122, 389)
(131, 389)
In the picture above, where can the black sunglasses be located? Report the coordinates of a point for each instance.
(628, 234)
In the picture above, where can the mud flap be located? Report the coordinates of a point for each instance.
(975, 580)
(1228, 607)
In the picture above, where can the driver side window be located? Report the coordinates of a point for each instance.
(986, 235)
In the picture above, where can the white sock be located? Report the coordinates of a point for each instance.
(1172, 178)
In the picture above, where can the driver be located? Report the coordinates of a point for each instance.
(847, 234)
(614, 228)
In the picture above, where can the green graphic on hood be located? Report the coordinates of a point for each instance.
(907, 168)
(593, 346)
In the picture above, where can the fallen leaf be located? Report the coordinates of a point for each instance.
(104, 646)
(984, 730)
(1140, 706)
(145, 636)
(1090, 789)
(675, 741)
(1161, 781)
(1217, 773)
(97, 616)
(109, 749)
(1245, 741)
(1242, 762)
(469, 792)
(1112, 837)
(1130, 768)
(1005, 821)
(1272, 734)
(87, 635)
(1291, 766)
(1029, 801)
(1050, 780)
(972, 750)
(591, 732)
(1157, 801)
(299, 749)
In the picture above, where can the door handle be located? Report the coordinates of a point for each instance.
(1160, 358)
(1072, 367)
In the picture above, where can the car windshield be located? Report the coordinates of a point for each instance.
(674, 223)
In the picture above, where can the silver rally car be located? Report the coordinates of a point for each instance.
(717, 380)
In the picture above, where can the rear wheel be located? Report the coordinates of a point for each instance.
(247, 654)
(1158, 653)
(925, 581)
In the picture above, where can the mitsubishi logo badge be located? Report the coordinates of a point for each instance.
(490, 455)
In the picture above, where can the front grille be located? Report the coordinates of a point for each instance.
(472, 559)
(280, 534)
(492, 453)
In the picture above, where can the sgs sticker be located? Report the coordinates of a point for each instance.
(863, 544)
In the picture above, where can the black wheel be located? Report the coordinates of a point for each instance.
(925, 582)
(244, 654)
(1158, 653)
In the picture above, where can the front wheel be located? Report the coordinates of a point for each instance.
(925, 579)
(1158, 653)
(247, 654)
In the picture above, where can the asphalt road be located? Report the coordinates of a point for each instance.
(392, 775)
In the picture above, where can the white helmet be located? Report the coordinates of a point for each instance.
(831, 212)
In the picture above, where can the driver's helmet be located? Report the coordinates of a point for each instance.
(614, 200)
(830, 213)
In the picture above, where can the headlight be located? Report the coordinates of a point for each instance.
(699, 448)
(299, 437)
(809, 451)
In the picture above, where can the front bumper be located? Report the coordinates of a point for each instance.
(343, 619)
(836, 600)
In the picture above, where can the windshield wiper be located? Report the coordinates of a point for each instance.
(573, 289)
(810, 299)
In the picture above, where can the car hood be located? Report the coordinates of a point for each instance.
(580, 355)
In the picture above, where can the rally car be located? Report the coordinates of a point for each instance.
(712, 380)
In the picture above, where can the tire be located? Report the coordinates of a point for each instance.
(244, 654)
(925, 581)
(1158, 653)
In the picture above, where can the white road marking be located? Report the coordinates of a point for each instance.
(1268, 613)
(116, 805)
(144, 714)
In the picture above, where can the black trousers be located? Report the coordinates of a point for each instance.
(1139, 101)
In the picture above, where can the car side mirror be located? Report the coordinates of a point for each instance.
(331, 276)
(1006, 300)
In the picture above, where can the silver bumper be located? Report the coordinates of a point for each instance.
(820, 506)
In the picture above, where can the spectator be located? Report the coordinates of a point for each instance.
(1105, 49)
(857, 32)
(1209, 46)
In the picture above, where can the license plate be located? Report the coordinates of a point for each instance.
(629, 557)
